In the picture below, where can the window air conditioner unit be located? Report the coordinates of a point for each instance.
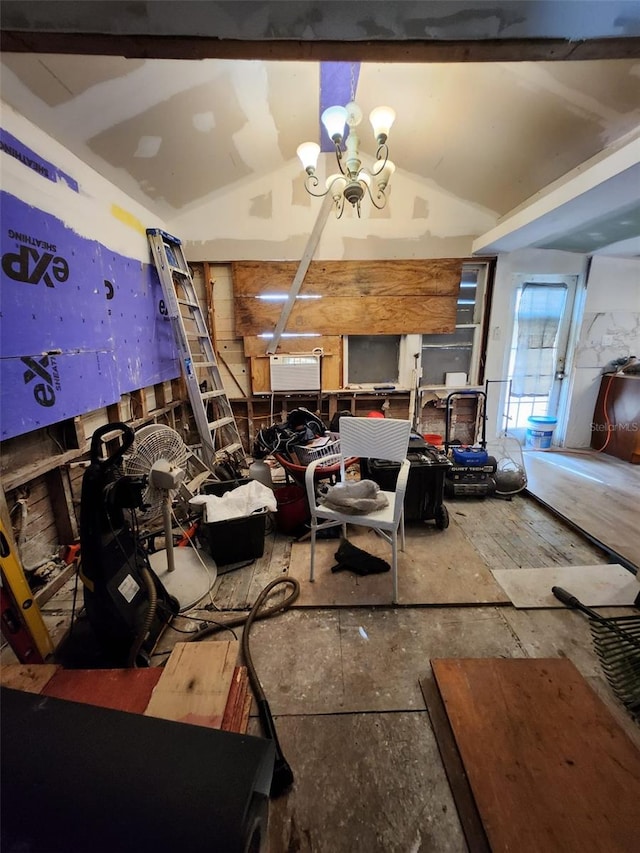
(295, 372)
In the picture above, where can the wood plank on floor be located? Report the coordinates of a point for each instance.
(119, 689)
(458, 781)
(236, 712)
(595, 586)
(549, 766)
(195, 683)
(29, 677)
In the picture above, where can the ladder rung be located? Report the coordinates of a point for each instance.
(187, 303)
(197, 335)
(178, 270)
(209, 394)
(220, 423)
(230, 448)
(204, 363)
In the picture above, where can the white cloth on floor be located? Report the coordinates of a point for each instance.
(236, 503)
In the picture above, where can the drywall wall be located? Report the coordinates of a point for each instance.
(610, 329)
(82, 313)
(271, 218)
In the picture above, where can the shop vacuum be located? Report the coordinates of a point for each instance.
(472, 468)
(126, 604)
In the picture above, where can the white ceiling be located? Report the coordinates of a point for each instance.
(498, 136)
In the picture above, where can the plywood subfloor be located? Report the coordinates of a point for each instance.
(595, 492)
(436, 567)
(549, 767)
(363, 782)
(332, 661)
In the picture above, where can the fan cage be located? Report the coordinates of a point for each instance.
(154, 443)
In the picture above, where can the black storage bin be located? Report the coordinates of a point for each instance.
(423, 499)
(234, 540)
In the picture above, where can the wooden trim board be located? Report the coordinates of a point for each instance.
(459, 783)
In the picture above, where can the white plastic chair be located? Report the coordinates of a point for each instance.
(369, 438)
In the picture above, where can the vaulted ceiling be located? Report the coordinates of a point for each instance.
(176, 134)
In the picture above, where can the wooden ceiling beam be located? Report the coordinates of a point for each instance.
(191, 47)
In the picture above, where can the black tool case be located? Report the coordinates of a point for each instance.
(423, 500)
(472, 469)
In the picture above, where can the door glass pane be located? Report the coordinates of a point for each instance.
(539, 310)
(538, 317)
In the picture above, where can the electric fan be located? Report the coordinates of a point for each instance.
(510, 474)
(160, 456)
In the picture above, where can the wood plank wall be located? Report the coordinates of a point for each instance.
(352, 298)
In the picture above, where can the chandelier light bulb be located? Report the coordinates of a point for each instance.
(334, 120)
(308, 152)
(354, 114)
(335, 184)
(352, 182)
(383, 170)
(381, 120)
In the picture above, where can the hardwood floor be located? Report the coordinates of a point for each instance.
(596, 493)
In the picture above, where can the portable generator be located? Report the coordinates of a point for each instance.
(472, 469)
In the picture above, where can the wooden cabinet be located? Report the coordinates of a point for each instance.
(616, 419)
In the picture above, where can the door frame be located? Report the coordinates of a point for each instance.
(569, 327)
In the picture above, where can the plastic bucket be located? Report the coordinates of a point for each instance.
(433, 438)
(540, 431)
(293, 509)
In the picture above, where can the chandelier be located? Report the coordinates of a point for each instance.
(352, 181)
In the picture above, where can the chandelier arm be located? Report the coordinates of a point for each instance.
(339, 206)
(382, 152)
(312, 181)
(340, 159)
(379, 195)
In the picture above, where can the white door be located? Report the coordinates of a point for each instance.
(541, 326)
